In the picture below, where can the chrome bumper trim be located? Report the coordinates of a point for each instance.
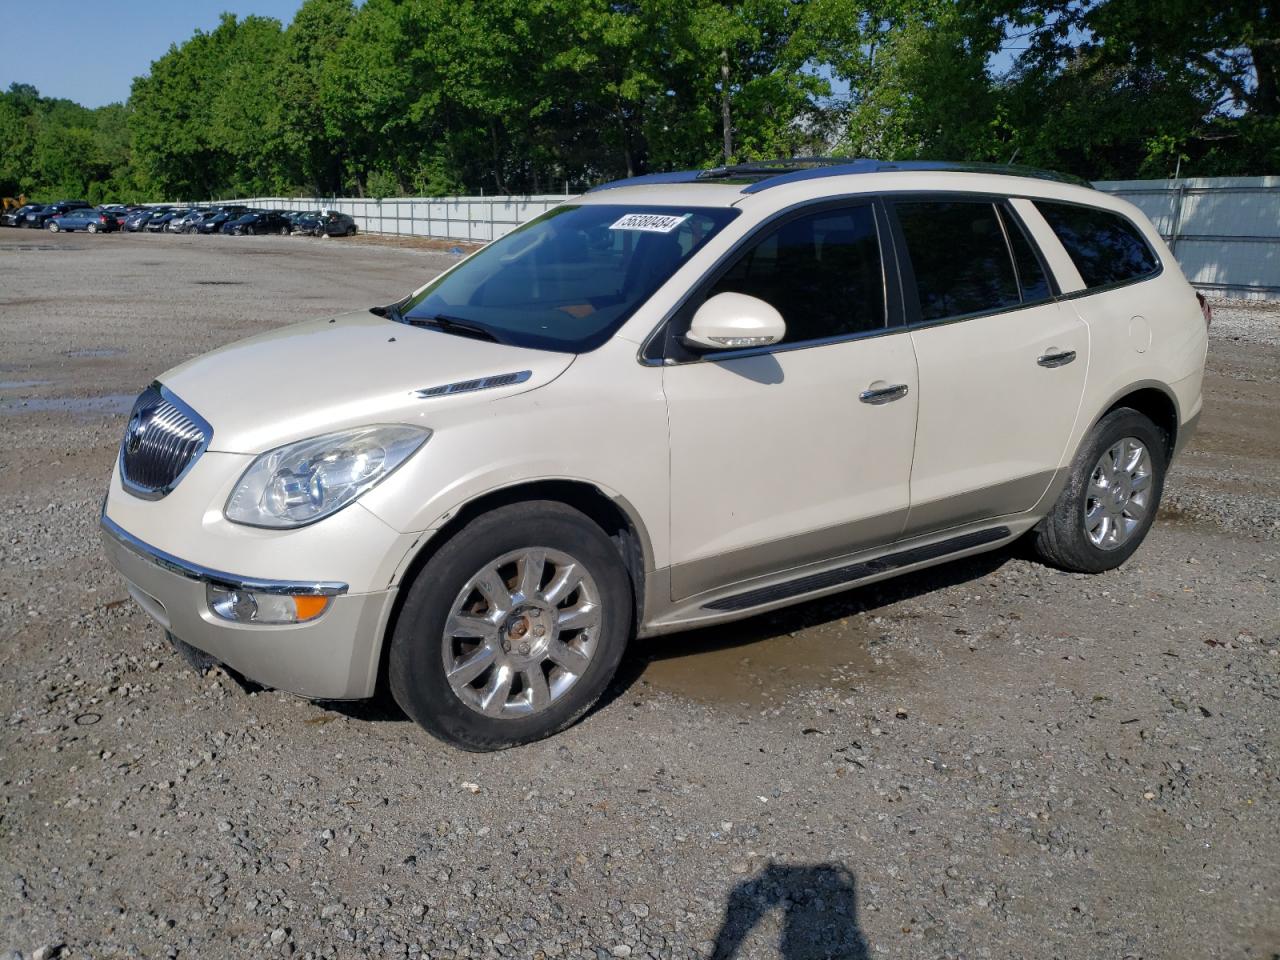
(194, 571)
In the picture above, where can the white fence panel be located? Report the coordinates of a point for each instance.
(1224, 231)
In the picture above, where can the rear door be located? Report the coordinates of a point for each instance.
(1002, 364)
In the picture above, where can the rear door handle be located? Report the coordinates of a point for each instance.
(884, 394)
(1056, 358)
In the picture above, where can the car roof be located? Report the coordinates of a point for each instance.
(743, 184)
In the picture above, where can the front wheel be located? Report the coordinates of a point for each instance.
(513, 629)
(1111, 497)
(52, 227)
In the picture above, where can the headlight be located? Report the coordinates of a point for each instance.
(302, 482)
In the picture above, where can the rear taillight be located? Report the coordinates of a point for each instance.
(1205, 310)
(102, 219)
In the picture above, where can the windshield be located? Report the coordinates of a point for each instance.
(568, 279)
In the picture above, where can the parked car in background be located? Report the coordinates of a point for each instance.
(220, 218)
(258, 221)
(41, 216)
(794, 379)
(160, 223)
(17, 216)
(138, 219)
(330, 224)
(84, 218)
(189, 221)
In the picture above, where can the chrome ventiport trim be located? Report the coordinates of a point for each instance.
(468, 386)
(194, 571)
(189, 436)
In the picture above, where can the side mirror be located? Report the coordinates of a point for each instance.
(730, 320)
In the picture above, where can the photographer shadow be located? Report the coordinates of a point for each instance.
(819, 906)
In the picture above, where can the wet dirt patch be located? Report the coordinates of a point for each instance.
(218, 283)
(111, 403)
(22, 384)
(736, 665)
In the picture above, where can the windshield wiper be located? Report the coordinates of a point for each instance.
(462, 328)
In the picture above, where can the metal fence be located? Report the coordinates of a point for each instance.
(1224, 231)
(474, 219)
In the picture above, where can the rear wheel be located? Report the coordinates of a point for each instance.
(1111, 498)
(284, 231)
(92, 228)
(513, 629)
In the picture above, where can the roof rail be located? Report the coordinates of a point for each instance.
(760, 175)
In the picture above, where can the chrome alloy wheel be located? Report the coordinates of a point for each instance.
(1118, 495)
(521, 632)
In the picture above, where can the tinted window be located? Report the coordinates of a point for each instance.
(568, 279)
(1105, 247)
(822, 272)
(1031, 276)
(959, 256)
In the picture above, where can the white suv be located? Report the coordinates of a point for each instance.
(677, 400)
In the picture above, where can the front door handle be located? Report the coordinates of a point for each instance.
(884, 394)
(1056, 358)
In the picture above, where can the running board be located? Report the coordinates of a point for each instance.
(856, 571)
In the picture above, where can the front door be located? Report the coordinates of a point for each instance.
(800, 452)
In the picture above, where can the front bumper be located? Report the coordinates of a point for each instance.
(334, 656)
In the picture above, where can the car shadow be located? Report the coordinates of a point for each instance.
(811, 613)
(819, 907)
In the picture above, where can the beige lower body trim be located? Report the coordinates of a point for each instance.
(698, 576)
(998, 500)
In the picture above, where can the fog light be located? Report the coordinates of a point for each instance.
(248, 606)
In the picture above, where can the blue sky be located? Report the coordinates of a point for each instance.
(90, 50)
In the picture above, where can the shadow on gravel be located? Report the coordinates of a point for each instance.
(819, 906)
(779, 623)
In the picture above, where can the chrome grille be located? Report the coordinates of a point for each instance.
(163, 440)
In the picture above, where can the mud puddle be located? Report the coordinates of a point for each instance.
(111, 403)
(752, 664)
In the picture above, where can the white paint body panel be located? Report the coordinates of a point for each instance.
(709, 459)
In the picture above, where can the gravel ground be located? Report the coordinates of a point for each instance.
(990, 759)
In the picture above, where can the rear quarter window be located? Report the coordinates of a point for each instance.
(1105, 247)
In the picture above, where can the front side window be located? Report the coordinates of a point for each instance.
(959, 256)
(821, 271)
(569, 278)
(1105, 247)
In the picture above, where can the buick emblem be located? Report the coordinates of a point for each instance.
(133, 434)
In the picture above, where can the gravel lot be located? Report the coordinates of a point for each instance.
(991, 759)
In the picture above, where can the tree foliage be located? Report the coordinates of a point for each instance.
(444, 96)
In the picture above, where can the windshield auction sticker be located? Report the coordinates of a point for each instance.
(649, 222)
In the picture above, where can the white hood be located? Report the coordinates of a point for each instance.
(358, 369)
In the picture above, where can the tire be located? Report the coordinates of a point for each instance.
(419, 645)
(284, 231)
(1065, 538)
(92, 228)
(52, 227)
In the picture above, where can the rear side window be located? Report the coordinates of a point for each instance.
(1105, 247)
(959, 256)
(821, 271)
